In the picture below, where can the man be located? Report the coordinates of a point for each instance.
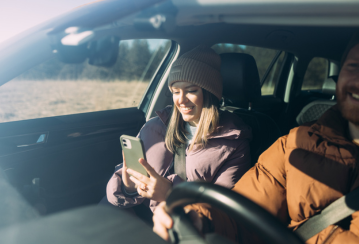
(302, 172)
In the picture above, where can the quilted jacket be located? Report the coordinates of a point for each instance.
(297, 177)
(223, 161)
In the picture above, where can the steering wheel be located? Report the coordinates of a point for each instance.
(235, 205)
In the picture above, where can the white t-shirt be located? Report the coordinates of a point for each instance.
(191, 132)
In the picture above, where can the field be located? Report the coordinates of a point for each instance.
(20, 100)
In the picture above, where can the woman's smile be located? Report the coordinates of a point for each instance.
(188, 98)
(186, 109)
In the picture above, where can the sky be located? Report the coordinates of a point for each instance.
(17, 16)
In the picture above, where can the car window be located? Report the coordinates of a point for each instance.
(263, 57)
(54, 88)
(316, 74)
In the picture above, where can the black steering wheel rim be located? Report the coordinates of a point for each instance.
(237, 206)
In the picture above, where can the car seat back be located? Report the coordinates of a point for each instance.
(314, 110)
(241, 93)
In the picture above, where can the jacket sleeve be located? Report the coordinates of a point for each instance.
(334, 234)
(234, 167)
(115, 195)
(264, 184)
(152, 134)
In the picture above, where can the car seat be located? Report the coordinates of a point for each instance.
(241, 94)
(314, 110)
(14, 208)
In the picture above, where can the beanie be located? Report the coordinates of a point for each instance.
(200, 66)
(352, 43)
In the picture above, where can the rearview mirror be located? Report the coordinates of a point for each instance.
(104, 51)
(100, 52)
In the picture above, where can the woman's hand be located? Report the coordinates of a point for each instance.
(154, 187)
(162, 222)
(129, 185)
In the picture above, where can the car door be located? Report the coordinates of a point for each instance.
(60, 123)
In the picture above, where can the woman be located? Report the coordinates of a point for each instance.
(217, 143)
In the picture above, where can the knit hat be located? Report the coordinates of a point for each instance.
(352, 43)
(200, 66)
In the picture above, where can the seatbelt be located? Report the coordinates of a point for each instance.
(180, 162)
(335, 212)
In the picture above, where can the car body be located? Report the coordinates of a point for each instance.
(71, 151)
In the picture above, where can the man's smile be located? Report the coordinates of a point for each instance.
(354, 95)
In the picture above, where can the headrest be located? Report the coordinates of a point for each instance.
(241, 83)
(329, 86)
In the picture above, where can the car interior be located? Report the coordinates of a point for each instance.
(70, 167)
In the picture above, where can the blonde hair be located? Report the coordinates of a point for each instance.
(208, 122)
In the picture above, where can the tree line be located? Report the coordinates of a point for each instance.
(135, 61)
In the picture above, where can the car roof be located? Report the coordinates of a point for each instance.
(304, 28)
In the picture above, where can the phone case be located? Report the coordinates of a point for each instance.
(132, 148)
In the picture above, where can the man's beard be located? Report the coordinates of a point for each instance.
(349, 111)
(349, 115)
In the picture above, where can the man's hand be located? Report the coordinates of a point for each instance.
(154, 187)
(163, 222)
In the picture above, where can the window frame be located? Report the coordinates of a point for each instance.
(149, 95)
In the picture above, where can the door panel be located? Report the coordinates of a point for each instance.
(76, 158)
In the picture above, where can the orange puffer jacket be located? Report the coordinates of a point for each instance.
(296, 178)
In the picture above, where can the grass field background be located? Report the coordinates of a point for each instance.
(20, 100)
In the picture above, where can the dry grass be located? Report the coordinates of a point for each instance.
(20, 100)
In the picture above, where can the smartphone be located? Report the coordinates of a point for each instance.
(132, 148)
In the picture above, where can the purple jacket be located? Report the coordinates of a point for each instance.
(223, 161)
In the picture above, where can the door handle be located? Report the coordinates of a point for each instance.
(40, 140)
